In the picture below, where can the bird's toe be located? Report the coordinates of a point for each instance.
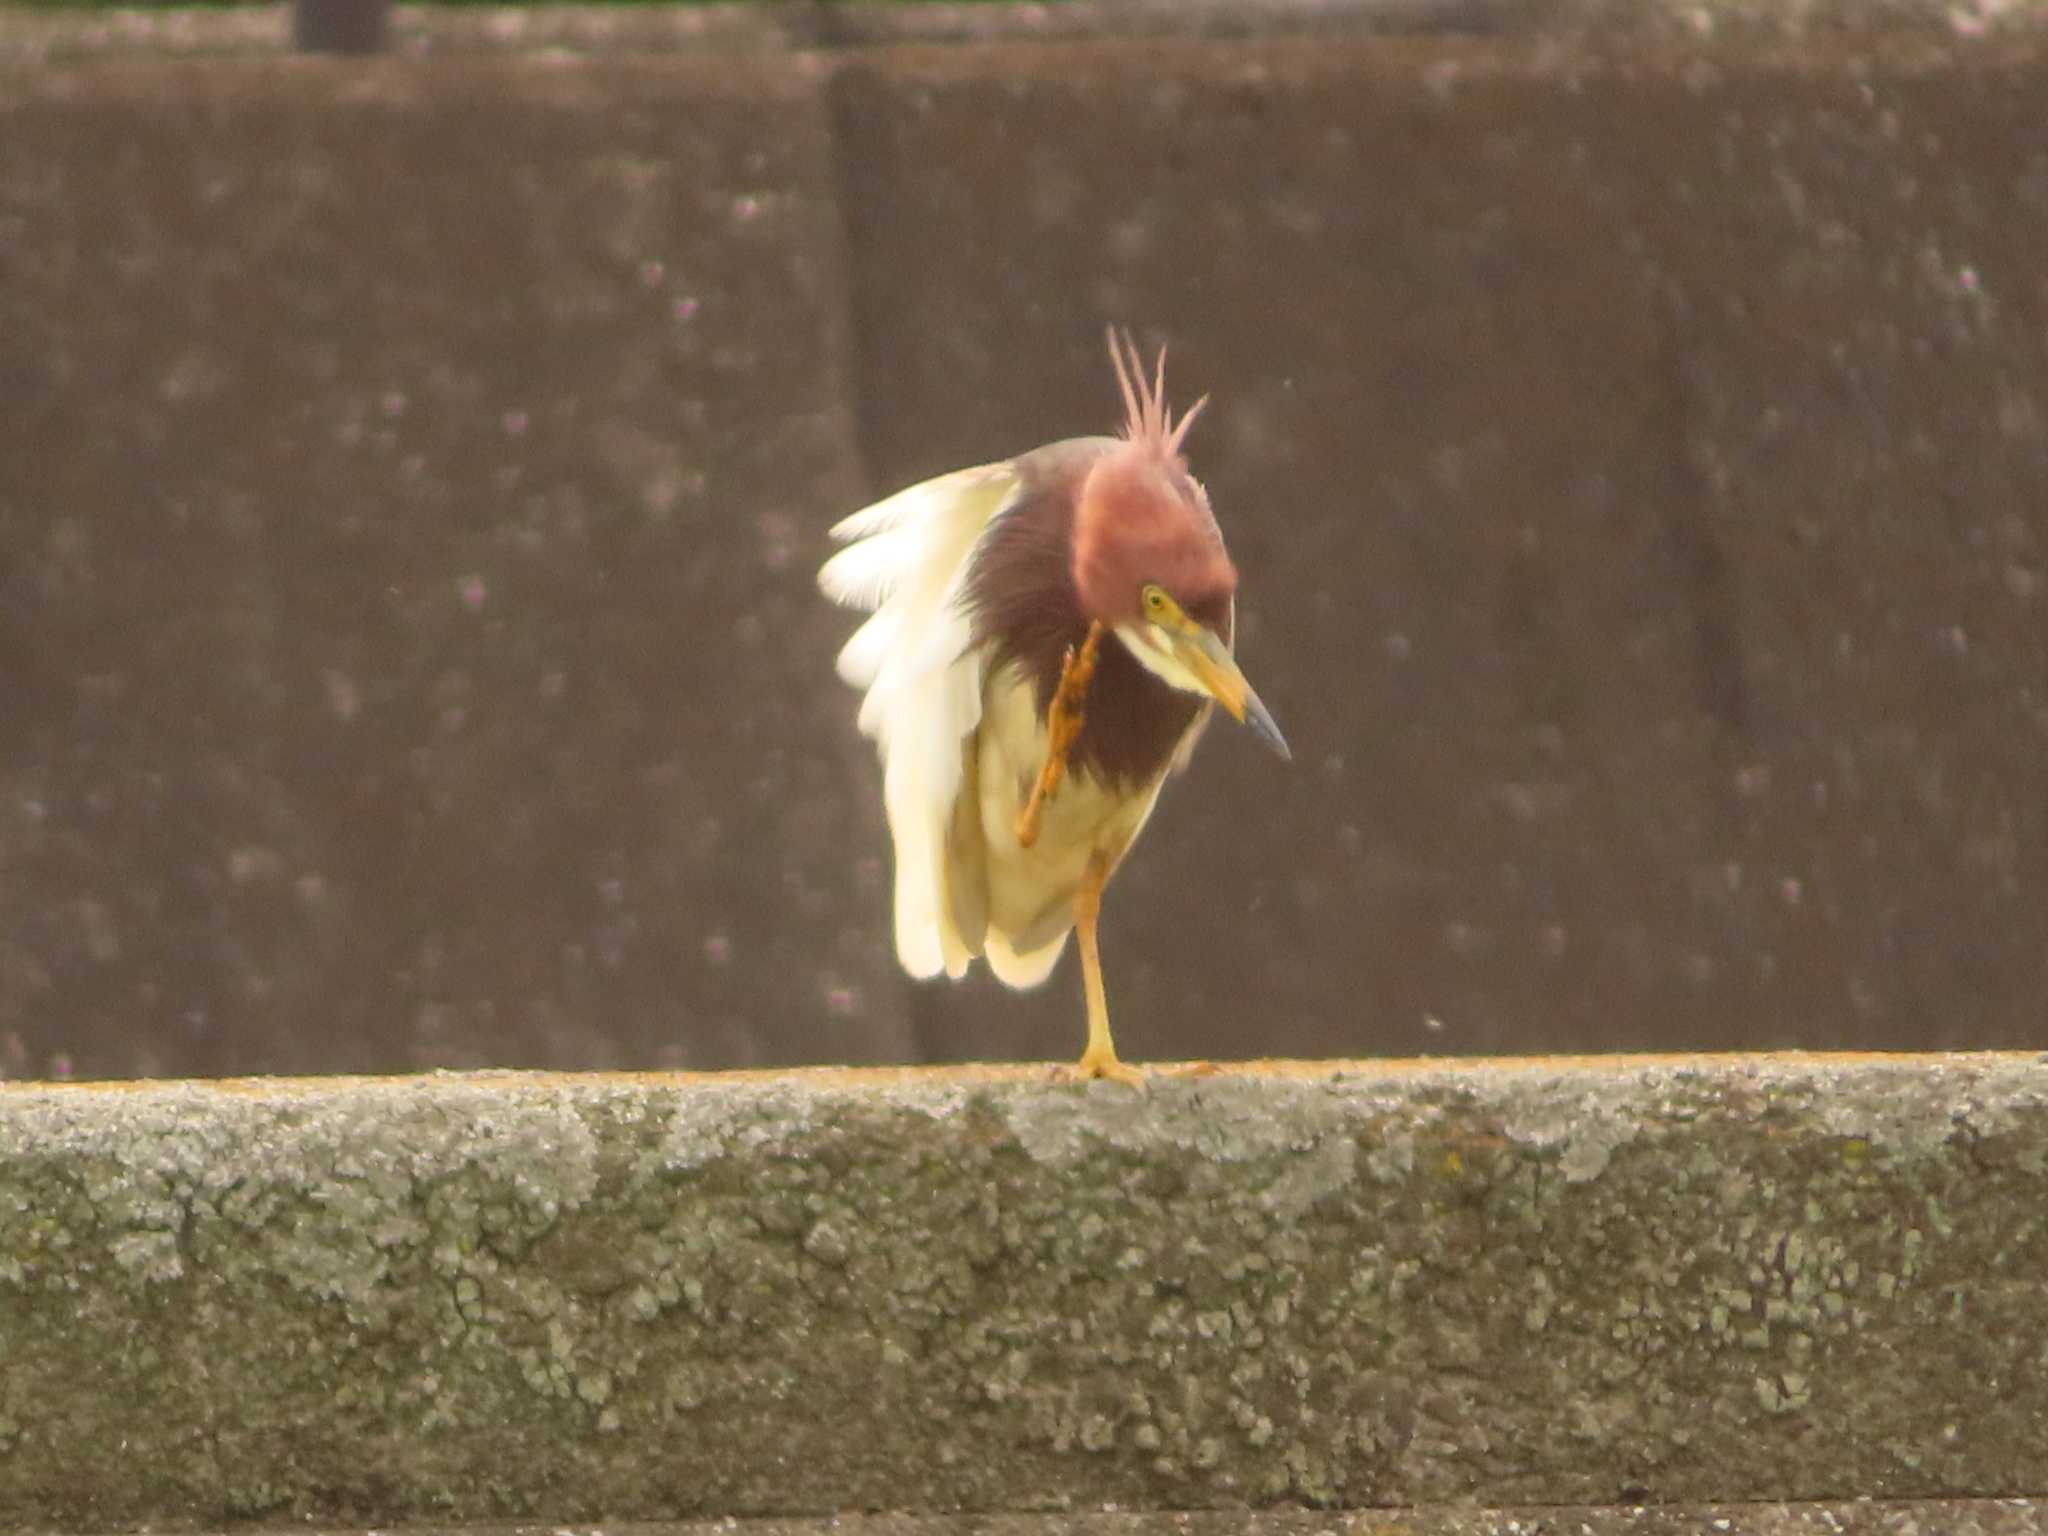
(1105, 1064)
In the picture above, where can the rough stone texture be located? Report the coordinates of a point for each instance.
(1949, 1517)
(1677, 1280)
(1635, 440)
(830, 25)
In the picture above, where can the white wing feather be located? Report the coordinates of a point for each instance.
(906, 559)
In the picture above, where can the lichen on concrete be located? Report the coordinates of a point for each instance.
(1838, 1517)
(631, 1297)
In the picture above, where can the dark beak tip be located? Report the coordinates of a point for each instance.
(1263, 724)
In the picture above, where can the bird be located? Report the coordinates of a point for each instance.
(1047, 637)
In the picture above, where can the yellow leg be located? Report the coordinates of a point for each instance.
(1062, 730)
(1100, 1059)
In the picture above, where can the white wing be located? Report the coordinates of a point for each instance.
(906, 559)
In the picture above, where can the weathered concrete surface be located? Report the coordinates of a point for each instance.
(567, 1299)
(411, 475)
(407, 499)
(1949, 1517)
(830, 26)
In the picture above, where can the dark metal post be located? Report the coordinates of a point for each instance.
(339, 26)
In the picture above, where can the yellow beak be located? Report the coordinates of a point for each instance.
(1201, 651)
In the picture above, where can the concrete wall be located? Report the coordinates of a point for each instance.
(411, 473)
(595, 1299)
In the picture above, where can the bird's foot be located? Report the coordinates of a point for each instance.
(1104, 1064)
(1077, 675)
(1063, 721)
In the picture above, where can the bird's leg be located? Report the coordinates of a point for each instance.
(1062, 730)
(1099, 1059)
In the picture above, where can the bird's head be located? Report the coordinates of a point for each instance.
(1149, 562)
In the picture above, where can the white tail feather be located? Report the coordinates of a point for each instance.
(1026, 970)
(920, 743)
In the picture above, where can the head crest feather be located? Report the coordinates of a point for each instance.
(1147, 421)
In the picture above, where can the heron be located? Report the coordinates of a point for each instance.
(1047, 638)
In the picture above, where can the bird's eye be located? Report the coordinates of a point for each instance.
(1155, 599)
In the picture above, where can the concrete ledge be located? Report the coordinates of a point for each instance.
(1857, 1517)
(563, 1298)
